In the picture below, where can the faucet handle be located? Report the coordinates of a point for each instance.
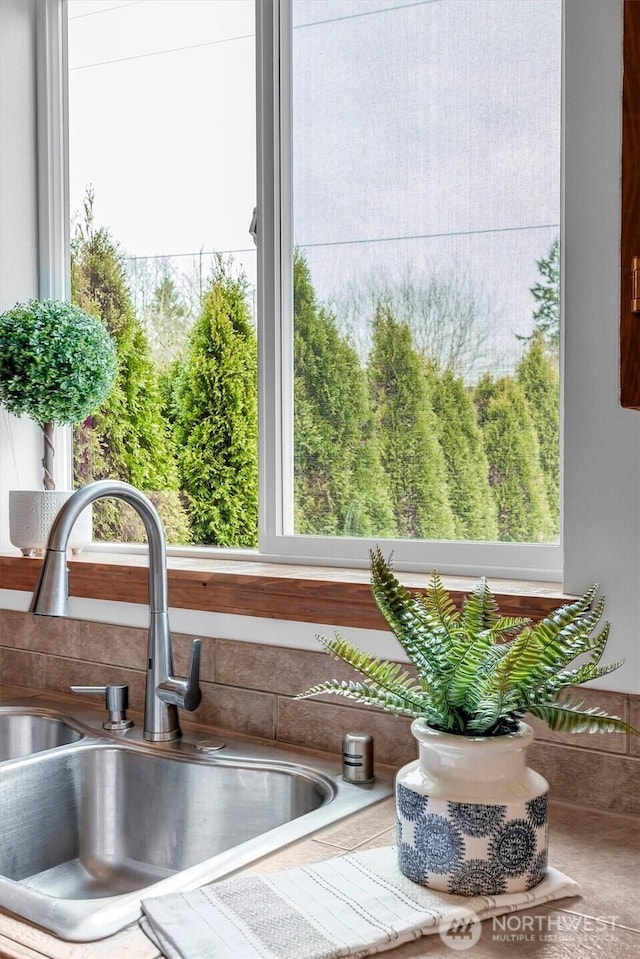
(192, 695)
(116, 701)
(184, 692)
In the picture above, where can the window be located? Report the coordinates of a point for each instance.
(601, 442)
(419, 211)
(162, 184)
(290, 228)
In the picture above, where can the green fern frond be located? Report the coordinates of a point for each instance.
(518, 659)
(478, 672)
(566, 630)
(508, 626)
(388, 677)
(439, 606)
(479, 610)
(563, 615)
(466, 669)
(423, 648)
(484, 681)
(562, 639)
(445, 637)
(493, 674)
(598, 644)
(393, 600)
(569, 677)
(520, 662)
(483, 626)
(371, 695)
(486, 719)
(568, 717)
(577, 634)
(427, 648)
(584, 674)
(383, 672)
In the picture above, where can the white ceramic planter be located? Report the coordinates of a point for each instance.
(31, 516)
(472, 817)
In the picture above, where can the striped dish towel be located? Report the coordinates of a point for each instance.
(353, 905)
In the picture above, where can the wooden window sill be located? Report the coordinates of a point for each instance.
(310, 594)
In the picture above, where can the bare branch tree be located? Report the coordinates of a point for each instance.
(449, 322)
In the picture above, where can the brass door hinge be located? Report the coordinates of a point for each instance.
(635, 284)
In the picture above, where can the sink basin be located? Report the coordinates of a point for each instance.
(106, 820)
(91, 828)
(24, 733)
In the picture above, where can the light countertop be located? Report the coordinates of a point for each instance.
(600, 850)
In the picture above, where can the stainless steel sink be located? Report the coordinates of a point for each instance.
(106, 819)
(24, 733)
(89, 829)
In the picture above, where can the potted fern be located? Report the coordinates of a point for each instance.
(472, 818)
(57, 365)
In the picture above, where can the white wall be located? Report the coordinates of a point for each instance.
(18, 194)
(602, 441)
(19, 439)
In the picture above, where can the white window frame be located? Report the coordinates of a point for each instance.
(275, 312)
(514, 561)
(52, 112)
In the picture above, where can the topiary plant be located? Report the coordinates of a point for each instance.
(478, 672)
(57, 365)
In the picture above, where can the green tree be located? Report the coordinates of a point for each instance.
(215, 417)
(546, 293)
(538, 375)
(127, 438)
(460, 436)
(339, 484)
(168, 322)
(412, 457)
(515, 474)
(168, 382)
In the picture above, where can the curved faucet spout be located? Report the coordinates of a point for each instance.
(49, 601)
(164, 691)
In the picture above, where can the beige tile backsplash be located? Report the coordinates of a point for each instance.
(23, 668)
(246, 711)
(249, 688)
(322, 724)
(634, 719)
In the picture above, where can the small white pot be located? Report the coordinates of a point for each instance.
(31, 516)
(472, 817)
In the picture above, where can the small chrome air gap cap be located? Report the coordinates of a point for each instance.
(357, 758)
(209, 745)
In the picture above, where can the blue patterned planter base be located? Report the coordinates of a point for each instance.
(471, 849)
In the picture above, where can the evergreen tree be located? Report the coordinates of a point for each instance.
(484, 392)
(538, 375)
(340, 488)
(168, 322)
(127, 438)
(168, 382)
(411, 454)
(546, 293)
(460, 436)
(515, 474)
(216, 419)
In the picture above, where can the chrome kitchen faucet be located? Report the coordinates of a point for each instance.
(164, 691)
